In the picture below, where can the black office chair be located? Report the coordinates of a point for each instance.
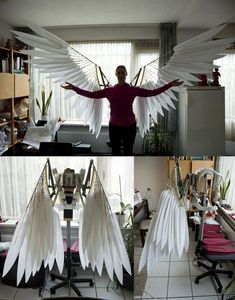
(55, 149)
(71, 260)
(216, 251)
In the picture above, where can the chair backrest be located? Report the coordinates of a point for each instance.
(54, 148)
(143, 206)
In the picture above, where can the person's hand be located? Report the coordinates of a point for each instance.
(176, 82)
(69, 86)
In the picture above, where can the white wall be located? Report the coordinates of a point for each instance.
(5, 33)
(151, 172)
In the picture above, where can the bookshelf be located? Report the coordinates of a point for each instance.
(14, 86)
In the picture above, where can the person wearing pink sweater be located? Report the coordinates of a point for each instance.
(122, 124)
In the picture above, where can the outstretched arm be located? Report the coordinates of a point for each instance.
(149, 93)
(94, 95)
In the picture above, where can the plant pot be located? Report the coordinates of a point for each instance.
(128, 280)
(121, 219)
(41, 122)
(44, 118)
(223, 201)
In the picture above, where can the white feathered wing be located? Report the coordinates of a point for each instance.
(37, 238)
(62, 63)
(194, 56)
(101, 241)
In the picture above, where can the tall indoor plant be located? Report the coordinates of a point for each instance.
(45, 104)
(158, 141)
(224, 186)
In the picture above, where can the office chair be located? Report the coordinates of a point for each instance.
(71, 255)
(216, 250)
(144, 225)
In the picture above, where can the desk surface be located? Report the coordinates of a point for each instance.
(21, 149)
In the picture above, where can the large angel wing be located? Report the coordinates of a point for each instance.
(101, 240)
(38, 236)
(63, 63)
(194, 56)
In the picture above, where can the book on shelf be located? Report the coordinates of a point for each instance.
(19, 65)
(5, 65)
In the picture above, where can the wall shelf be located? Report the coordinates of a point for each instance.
(13, 86)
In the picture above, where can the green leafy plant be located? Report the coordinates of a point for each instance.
(128, 236)
(45, 103)
(158, 141)
(224, 186)
(124, 208)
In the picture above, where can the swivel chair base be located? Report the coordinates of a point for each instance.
(212, 271)
(66, 281)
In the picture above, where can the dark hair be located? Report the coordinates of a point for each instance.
(121, 67)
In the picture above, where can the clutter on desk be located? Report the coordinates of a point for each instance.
(3, 140)
(37, 134)
(21, 108)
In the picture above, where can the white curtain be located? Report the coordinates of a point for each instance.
(117, 176)
(225, 164)
(227, 79)
(19, 175)
(108, 55)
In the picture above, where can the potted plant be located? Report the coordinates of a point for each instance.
(121, 215)
(128, 237)
(224, 186)
(158, 141)
(123, 207)
(45, 104)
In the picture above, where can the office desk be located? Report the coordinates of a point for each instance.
(21, 149)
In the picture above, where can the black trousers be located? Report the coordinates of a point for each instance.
(122, 137)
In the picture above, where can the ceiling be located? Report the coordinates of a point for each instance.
(187, 13)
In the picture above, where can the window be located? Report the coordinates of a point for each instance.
(107, 54)
(226, 165)
(19, 176)
(227, 79)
